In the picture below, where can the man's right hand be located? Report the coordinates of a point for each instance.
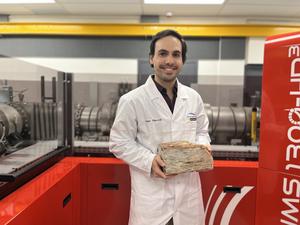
(157, 164)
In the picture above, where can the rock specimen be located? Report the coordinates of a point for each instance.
(183, 156)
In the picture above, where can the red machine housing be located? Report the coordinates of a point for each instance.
(96, 191)
(278, 191)
(229, 193)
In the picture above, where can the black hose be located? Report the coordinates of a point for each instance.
(235, 123)
(217, 121)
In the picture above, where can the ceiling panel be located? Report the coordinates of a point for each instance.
(104, 9)
(40, 9)
(190, 10)
(264, 2)
(101, 1)
(262, 10)
(286, 9)
(14, 9)
(50, 12)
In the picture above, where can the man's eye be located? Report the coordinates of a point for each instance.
(163, 54)
(177, 55)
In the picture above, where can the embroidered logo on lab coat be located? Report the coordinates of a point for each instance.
(192, 116)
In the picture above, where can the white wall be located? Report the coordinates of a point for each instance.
(14, 69)
(255, 50)
(221, 72)
(92, 69)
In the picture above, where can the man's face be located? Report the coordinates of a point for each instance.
(167, 59)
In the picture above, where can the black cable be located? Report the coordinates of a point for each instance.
(234, 120)
(245, 123)
(217, 121)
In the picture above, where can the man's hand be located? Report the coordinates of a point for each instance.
(157, 164)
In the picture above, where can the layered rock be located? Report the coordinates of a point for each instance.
(183, 156)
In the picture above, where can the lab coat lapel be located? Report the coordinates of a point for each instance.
(181, 101)
(156, 97)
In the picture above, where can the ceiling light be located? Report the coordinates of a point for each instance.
(169, 14)
(26, 1)
(185, 2)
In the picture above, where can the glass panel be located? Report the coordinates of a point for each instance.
(28, 113)
(96, 97)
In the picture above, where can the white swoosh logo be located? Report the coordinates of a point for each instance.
(233, 204)
(230, 207)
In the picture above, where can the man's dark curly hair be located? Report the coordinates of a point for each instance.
(166, 33)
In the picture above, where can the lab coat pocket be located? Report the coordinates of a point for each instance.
(148, 198)
(146, 209)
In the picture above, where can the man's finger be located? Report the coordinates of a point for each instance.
(160, 161)
(156, 167)
(160, 173)
(171, 175)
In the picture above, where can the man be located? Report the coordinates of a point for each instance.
(161, 110)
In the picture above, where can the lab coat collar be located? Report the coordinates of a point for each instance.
(154, 92)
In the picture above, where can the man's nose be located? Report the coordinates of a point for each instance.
(170, 59)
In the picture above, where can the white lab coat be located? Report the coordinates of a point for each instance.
(144, 120)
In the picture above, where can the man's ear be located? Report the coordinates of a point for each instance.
(151, 60)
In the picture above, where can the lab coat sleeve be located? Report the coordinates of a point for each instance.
(123, 135)
(202, 136)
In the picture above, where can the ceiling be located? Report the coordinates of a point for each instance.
(289, 9)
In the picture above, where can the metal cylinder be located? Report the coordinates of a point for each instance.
(85, 118)
(11, 120)
(94, 119)
(227, 123)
